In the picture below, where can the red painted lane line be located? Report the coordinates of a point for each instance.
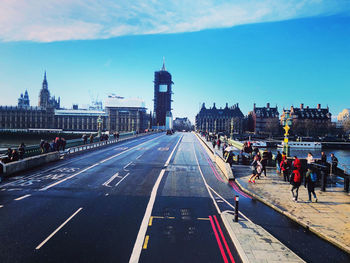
(218, 240)
(236, 188)
(224, 240)
(215, 173)
(213, 169)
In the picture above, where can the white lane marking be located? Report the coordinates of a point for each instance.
(127, 165)
(136, 252)
(22, 197)
(110, 180)
(88, 168)
(138, 157)
(229, 204)
(58, 229)
(122, 179)
(1, 206)
(40, 173)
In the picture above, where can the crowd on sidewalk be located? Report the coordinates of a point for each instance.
(292, 171)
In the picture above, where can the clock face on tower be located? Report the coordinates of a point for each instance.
(163, 88)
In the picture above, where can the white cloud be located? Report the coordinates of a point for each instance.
(57, 20)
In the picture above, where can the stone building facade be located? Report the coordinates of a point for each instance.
(264, 119)
(308, 121)
(126, 115)
(228, 120)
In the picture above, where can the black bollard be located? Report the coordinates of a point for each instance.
(236, 208)
(323, 181)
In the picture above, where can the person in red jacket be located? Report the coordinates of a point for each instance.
(295, 181)
(285, 167)
(297, 164)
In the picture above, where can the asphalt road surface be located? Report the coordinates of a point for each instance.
(142, 200)
(149, 199)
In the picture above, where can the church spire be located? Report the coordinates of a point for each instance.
(45, 82)
(163, 68)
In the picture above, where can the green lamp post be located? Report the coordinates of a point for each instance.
(287, 122)
(99, 123)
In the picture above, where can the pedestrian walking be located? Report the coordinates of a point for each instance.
(218, 143)
(14, 156)
(310, 181)
(91, 138)
(296, 164)
(118, 136)
(310, 160)
(278, 162)
(323, 159)
(295, 181)
(285, 167)
(41, 145)
(21, 150)
(264, 160)
(334, 163)
(63, 143)
(256, 167)
(214, 143)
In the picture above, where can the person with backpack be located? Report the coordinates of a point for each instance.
(310, 181)
(285, 167)
(295, 181)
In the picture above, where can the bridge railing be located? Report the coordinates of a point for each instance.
(33, 150)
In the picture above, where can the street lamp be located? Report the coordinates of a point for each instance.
(99, 122)
(287, 122)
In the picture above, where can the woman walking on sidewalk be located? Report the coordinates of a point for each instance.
(256, 168)
(295, 181)
(310, 180)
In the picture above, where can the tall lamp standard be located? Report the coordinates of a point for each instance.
(286, 123)
(99, 122)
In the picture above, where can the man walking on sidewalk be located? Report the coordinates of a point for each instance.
(310, 180)
(295, 181)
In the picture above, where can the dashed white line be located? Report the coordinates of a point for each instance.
(22, 197)
(58, 229)
(138, 157)
(1, 206)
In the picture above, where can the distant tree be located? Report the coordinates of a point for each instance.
(272, 126)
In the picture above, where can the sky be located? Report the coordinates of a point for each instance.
(258, 51)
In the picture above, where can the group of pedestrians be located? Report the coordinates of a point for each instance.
(292, 172)
(58, 144)
(259, 164)
(13, 155)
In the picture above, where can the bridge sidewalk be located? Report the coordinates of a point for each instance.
(328, 218)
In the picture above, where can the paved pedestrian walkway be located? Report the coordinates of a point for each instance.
(328, 218)
(255, 244)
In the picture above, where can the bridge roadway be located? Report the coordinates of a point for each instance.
(141, 200)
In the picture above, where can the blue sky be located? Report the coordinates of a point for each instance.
(282, 52)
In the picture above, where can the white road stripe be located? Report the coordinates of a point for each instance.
(122, 179)
(1, 206)
(58, 229)
(88, 168)
(127, 165)
(136, 252)
(110, 180)
(22, 197)
(138, 157)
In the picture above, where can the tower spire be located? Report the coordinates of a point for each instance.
(163, 68)
(45, 81)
